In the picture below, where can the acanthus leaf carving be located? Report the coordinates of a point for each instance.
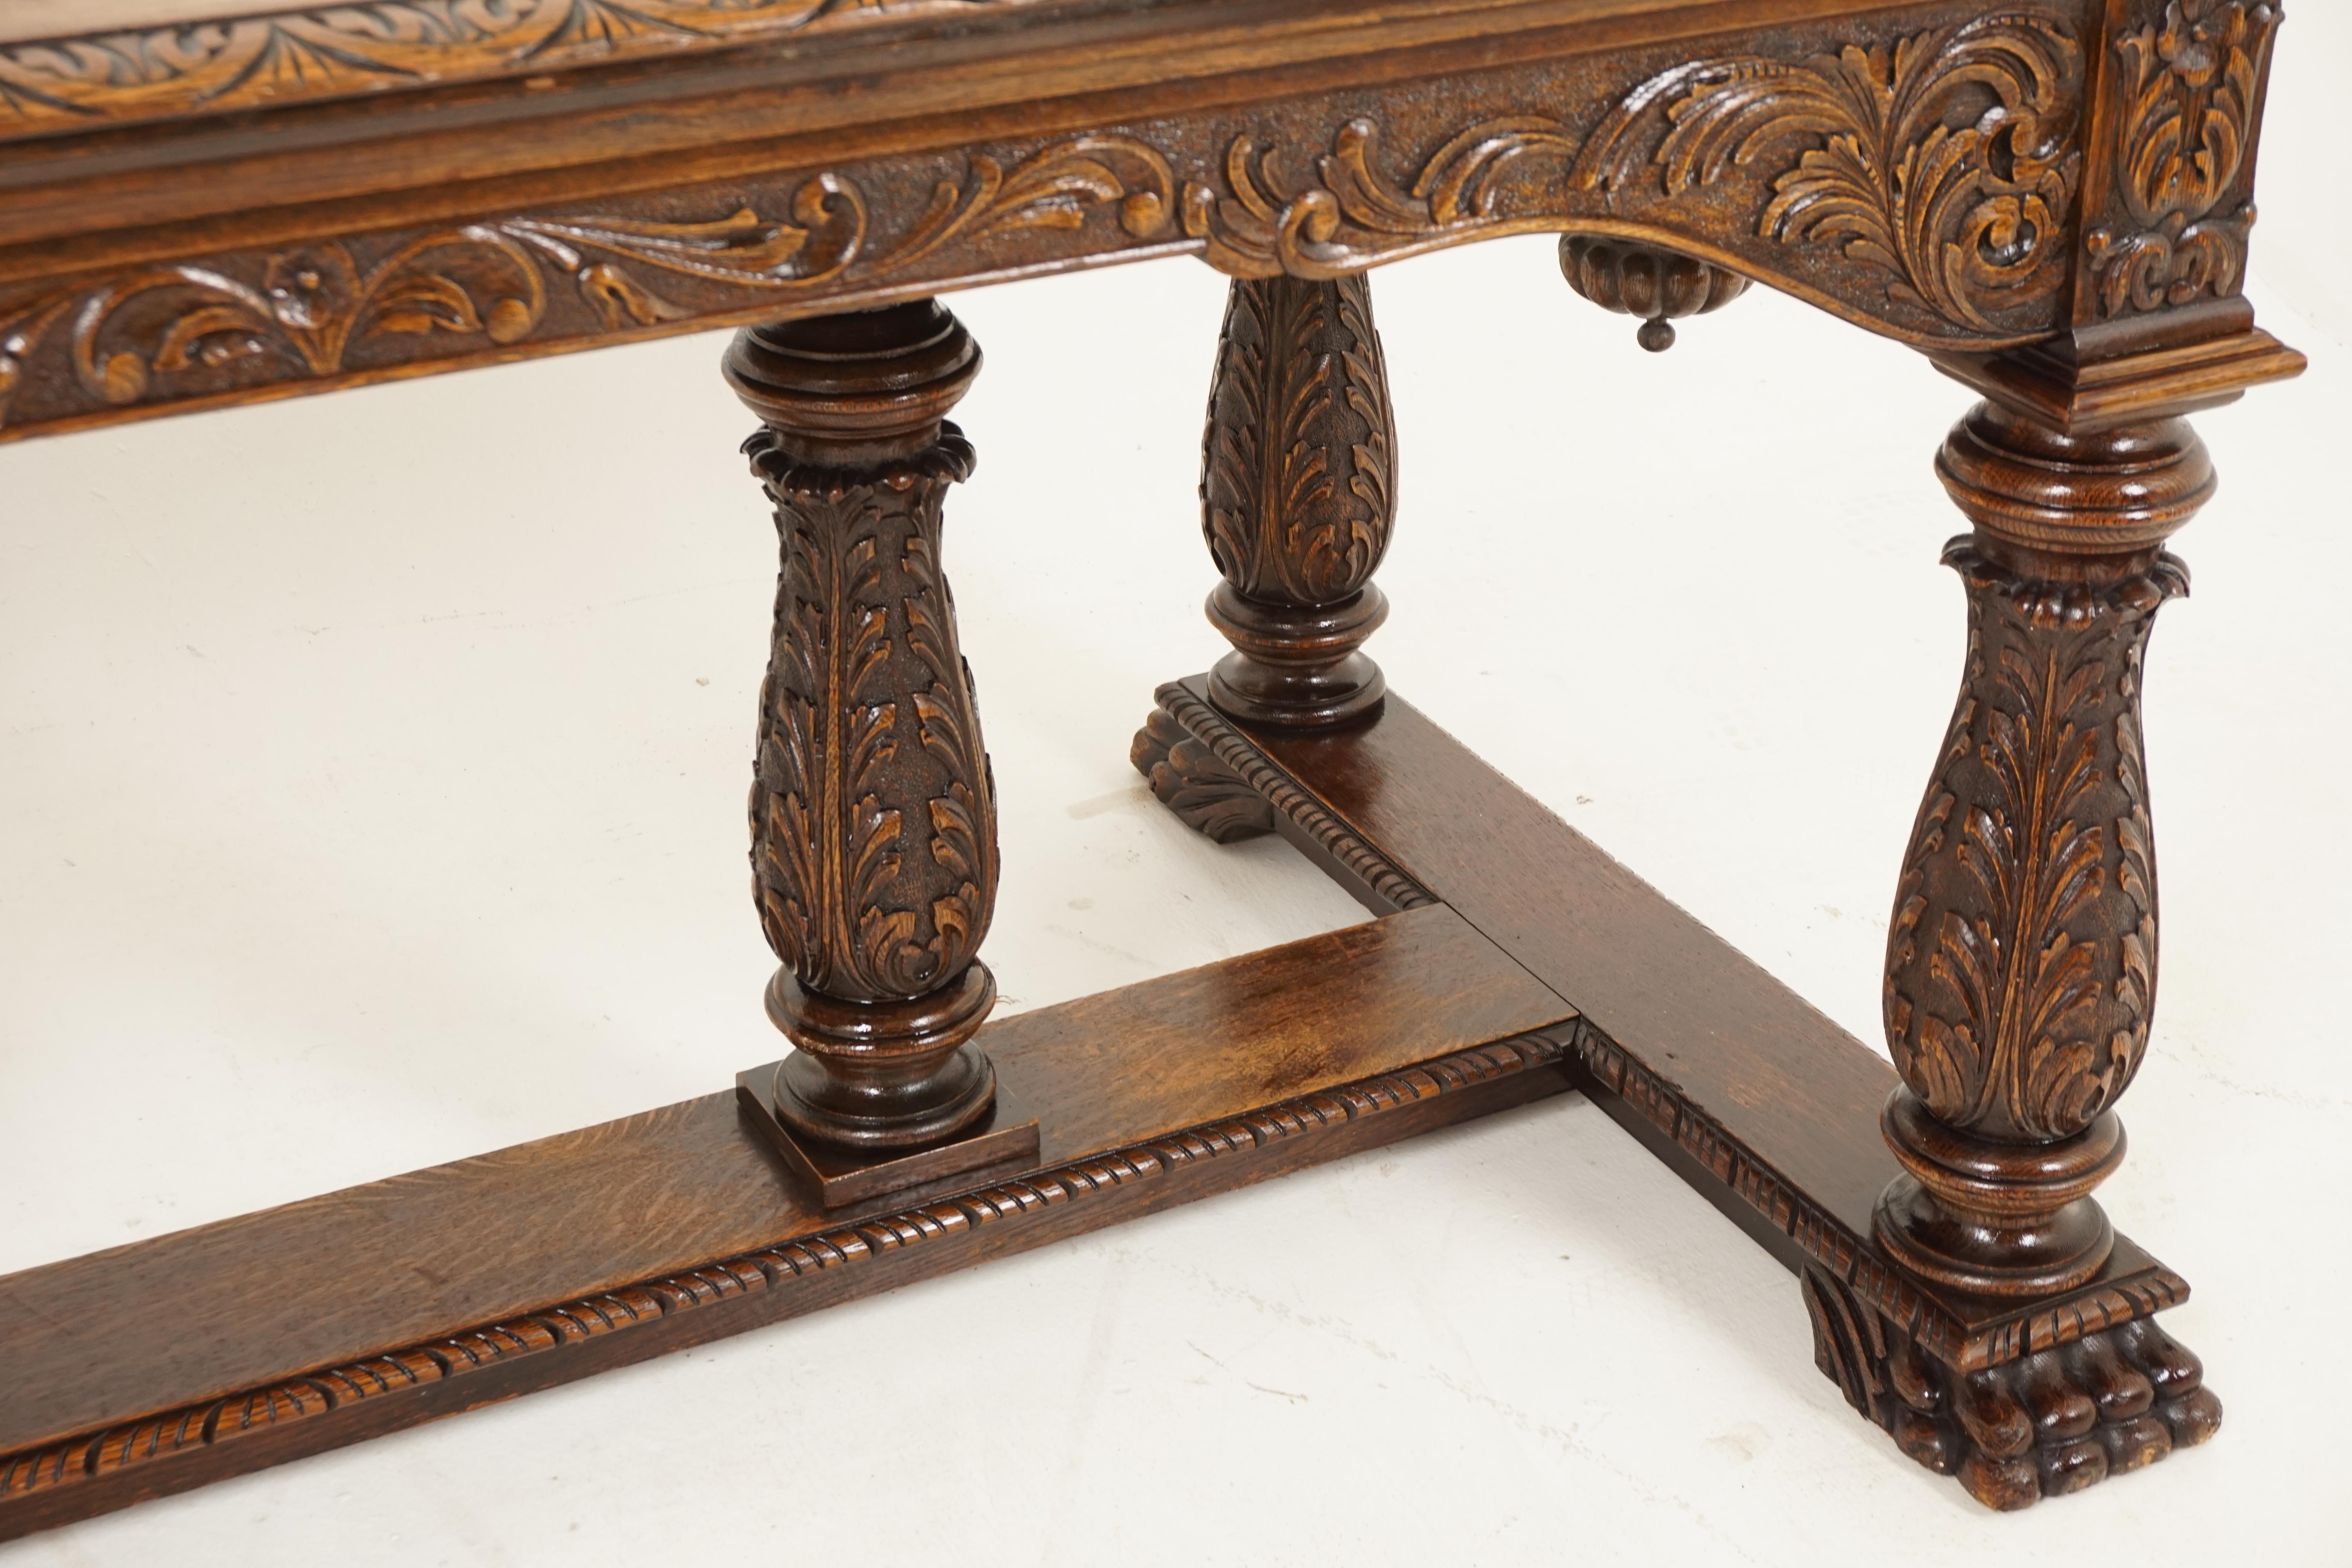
(1298, 460)
(1946, 163)
(2021, 962)
(863, 639)
(488, 281)
(311, 303)
(1923, 184)
(1352, 215)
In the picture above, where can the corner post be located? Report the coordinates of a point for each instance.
(873, 814)
(2020, 970)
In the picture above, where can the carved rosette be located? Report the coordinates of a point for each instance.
(873, 814)
(2054, 1422)
(1299, 498)
(2187, 89)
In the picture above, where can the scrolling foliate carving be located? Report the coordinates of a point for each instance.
(826, 239)
(1352, 215)
(310, 304)
(1921, 183)
(2021, 968)
(1947, 161)
(311, 307)
(93, 79)
(872, 805)
(1299, 471)
(2185, 92)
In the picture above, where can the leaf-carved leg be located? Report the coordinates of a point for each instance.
(2021, 955)
(1298, 500)
(873, 812)
(2020, 970)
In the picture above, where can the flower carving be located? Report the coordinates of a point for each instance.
(2186, 94)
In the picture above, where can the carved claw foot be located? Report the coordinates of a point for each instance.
(2054, 1422)
(1192, 782)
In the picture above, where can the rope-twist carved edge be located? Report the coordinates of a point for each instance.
(1359, 859)
(1835, 1247)
(95, 1453)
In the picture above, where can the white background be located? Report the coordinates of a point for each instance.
(374, 783)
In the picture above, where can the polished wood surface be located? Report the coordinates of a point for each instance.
(203, 207)
(351, 224)
(874, 855)
(1298, 500)
(153, 1367)
(1759, 1101)
(1770, 1109)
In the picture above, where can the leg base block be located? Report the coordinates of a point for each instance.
(1003, 1142)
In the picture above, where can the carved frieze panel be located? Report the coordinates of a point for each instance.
(1919, 179)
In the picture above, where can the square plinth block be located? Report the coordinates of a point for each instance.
(1004, 1141)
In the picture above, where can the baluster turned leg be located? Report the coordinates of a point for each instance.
(873, 818)
(1299, 498)
(2021, 969)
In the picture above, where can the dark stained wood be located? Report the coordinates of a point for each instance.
(160, 1365)
(1777, 1105)
(1733, 1039)
(1002, 1144)
(2050, 1423)
(2022, 954)
(874, 855)
(1759, 1101)
(1299, 476)
(485, 210)
(1658, 287)
(232, 206)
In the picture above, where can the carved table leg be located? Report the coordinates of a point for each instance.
(2020, 970)
(873, 817)
(1298, 497)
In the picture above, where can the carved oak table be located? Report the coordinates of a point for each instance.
(2052, 199)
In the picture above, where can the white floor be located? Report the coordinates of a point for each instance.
(374, 783)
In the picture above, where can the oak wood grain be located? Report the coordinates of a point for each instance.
(405, 1281)
(1754, 1096)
